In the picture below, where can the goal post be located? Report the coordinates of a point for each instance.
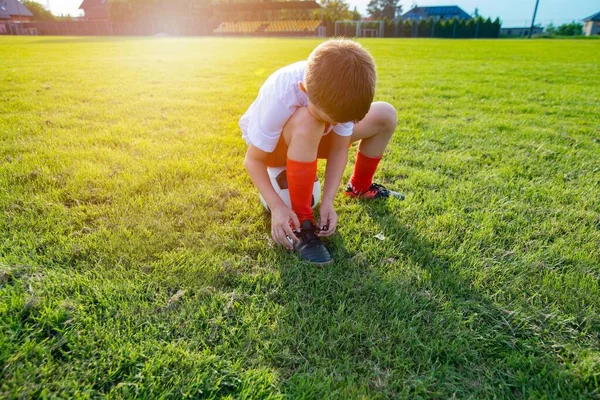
(359, 28)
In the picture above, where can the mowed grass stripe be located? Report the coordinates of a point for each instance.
(135, 258)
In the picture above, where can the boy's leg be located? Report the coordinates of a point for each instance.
(302, 134)
(376, 129)
(374, 132)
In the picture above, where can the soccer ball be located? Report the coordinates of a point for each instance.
(279, 181)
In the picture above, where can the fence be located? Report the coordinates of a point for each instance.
(429, 28)
(473, 28)
(106, 28)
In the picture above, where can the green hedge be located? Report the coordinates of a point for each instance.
(452, 28)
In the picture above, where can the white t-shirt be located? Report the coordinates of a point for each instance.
(277, 100)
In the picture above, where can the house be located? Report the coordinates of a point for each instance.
(95, 10)
(437, 12)
(591, 25)
(521, 31)
(14, 11)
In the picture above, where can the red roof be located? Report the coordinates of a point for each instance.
(95, 9)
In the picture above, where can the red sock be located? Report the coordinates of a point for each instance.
(364, 169)
(301, 178)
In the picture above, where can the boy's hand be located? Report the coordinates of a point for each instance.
(281, 218)
(328, 219)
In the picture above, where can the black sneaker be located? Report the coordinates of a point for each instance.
(310, 246)
(376, 191)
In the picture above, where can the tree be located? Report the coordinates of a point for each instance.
(486, 28)
(495, 31)
(131, 10)
(444, 28)
(38, 11)
(356, 15)
(406, 28)
(461, 28)
(570, 29)
(424, 27)
(550, 29)
(148, 10)
(470, 27)
(380, 9)
(389, 27)
(336, 10)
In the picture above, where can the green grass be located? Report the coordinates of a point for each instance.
(135, 258)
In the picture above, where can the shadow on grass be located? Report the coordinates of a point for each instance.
(404, 326)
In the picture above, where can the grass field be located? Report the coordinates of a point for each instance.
(135, 258)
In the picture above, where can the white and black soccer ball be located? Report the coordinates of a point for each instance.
(278, 176)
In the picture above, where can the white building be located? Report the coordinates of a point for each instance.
(591, 25)
(520, 32)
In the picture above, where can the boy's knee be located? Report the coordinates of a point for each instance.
(386, 117)
(303, 125)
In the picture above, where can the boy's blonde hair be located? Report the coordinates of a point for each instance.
(340, 79)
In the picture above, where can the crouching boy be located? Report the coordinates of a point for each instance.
(315, 109)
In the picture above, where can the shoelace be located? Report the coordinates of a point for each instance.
(309, 237)
(378, 188)
(373, 190)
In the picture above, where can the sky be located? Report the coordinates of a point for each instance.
(511, 12)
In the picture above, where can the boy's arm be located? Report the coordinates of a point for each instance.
(336, 163)
(281, 215)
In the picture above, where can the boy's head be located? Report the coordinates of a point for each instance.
(340, 80)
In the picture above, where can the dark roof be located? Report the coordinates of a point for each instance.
(443, 12)
(4, 12)
(264, 5)
(13, 7)
(595, 17)
(95, 8)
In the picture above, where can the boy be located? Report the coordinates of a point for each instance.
(316, 109)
